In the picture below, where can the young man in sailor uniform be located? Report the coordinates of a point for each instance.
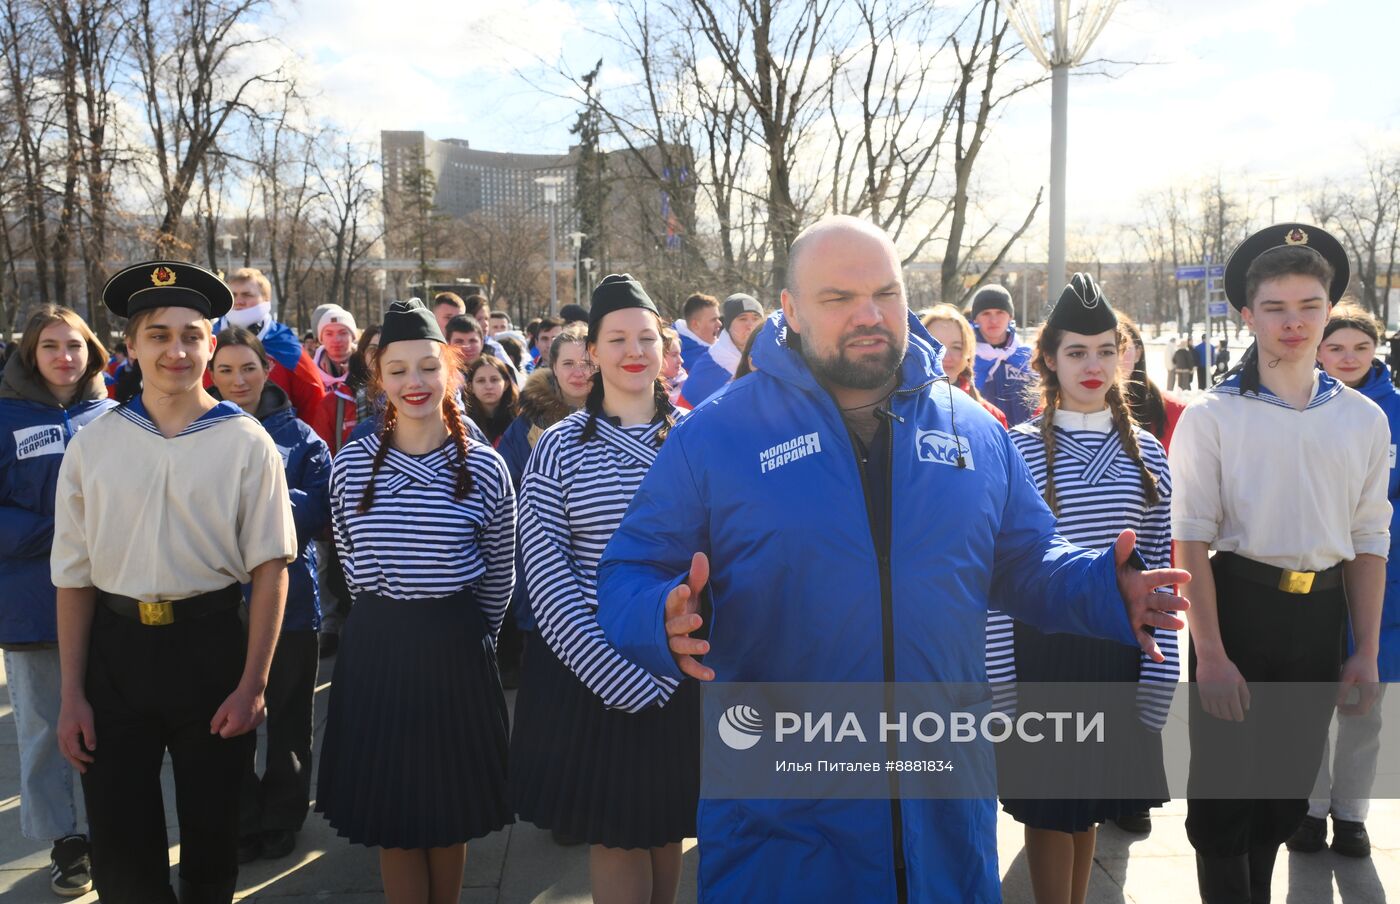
(1283, 471)
(165, 506)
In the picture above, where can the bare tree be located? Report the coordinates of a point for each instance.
(348, 203)
(192, 61)
(1366, 211)
(773, 52)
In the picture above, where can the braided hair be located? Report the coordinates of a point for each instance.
(451, 414)
(1047, 345)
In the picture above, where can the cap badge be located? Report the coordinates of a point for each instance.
(1296, 237)
(162, 276)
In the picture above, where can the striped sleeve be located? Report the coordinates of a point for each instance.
(557, 583)
(496, 540)
(1157, 681)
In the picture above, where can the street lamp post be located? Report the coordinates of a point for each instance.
(577, 239)
(227, 241)
(551, 197)
(1063, 51)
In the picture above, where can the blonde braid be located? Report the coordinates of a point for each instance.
(1123, 422)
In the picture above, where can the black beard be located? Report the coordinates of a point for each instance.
(871, 373)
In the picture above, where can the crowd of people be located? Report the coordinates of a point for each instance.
(588, 511)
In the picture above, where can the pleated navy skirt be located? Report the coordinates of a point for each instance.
(1135, 762)
(416, 742)
(622, 780)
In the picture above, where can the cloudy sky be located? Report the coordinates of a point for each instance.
(1271, 95)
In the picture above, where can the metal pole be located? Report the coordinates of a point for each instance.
(1209, 358)
(1025, 285)
(1059, 101)
(553, 281)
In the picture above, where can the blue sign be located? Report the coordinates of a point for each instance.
(1219, 308)
(1198, 271)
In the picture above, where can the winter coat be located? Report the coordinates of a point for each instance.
(541, 407)
(34, 432)
(712, 370)
(763, 479)
(1380, 388)
(691, 347)
(1008, 384)
(292, 368)
(308, 465)
(336, 406)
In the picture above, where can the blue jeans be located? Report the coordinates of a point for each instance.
(48, 801)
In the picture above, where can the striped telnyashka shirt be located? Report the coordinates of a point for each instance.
(1099, 493)
(417, 541)
(572, 497)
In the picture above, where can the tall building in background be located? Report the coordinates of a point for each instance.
(470, 181)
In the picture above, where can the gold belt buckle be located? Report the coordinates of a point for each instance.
(1296, 581)
(156, 613)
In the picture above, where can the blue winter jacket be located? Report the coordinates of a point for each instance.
(34, 432)
(1008, 384)
(691, 351)
(705, 379)
(307, 460)
(797, 596)
(1380, 389)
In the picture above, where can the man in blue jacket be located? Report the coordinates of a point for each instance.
(841, 565)
(1002, 370)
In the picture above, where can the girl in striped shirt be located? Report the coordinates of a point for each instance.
(1100, 474)
(414, 757)
(602, 751)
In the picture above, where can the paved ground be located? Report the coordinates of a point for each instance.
(522, 864)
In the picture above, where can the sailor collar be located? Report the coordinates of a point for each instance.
(638, 443)
(135, 411)
(402, 469)
(1325, 389)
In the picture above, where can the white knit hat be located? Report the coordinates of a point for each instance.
(336, 314)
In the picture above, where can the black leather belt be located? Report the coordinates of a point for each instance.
(1301, 582)
(168, 612)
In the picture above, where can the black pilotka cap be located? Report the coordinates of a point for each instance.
(617, 292)
(166, 284)
(1285, 235)
(1082, 308)
(992, 298)
(409, 320)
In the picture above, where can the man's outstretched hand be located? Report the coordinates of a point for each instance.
(1146, 607)
(683, 618)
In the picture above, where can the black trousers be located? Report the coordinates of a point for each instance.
(1270, 636)
(279, 800)
(153, 690)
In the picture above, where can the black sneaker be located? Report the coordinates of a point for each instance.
(278, 843)
(1350, 839)
(249, 848)
(70, 867)
(1135, 823)
(1310, 838)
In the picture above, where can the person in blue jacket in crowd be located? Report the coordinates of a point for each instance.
(840, 564)
(1348, 354)
(1002, 370)
(274, 807)
(716, 366)
(52, 386)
